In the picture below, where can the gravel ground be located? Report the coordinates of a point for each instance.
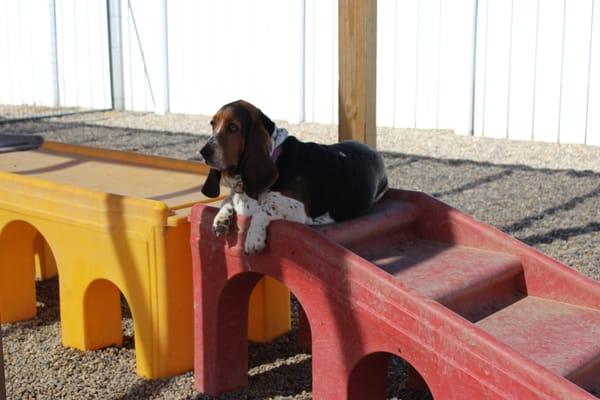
(21, 112)
(544, 194)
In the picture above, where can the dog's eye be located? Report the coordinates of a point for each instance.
(233, 128)
(212, 123)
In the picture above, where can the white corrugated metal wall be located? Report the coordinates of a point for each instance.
(538, 70)
(425, 59)
(524, 69)
(223, 50)
(54, 53)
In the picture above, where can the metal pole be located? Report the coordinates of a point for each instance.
(163, 103)
(54, 42)
(115, 54)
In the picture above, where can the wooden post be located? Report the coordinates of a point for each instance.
(2, 387)
(357, 65)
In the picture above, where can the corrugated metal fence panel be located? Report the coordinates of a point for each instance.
(495, 20)
(386, 62)
(321, 61)
(142, 35)
(528, 71)
(575, 71)
(457, 58)
(479, 75)
(425, 59)
(593, 116)
(189, 30)
(220, 51)
(522, 69)
(54, 53)
(82, 54)
(546, 114)
(26, 73)
(534, 78)
(404, 52)
(428, 63)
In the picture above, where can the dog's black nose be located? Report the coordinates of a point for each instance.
(206, 152)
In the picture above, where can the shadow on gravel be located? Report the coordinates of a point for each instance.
(569, 205)
(561, 234)
(157, 142)
(400, 160)
(43, 127)
(146, 389)
(397, 383)
(475, 183)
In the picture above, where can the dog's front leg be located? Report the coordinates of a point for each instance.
(222, 221)
(244, 205)
(272, 206)
(237, 203)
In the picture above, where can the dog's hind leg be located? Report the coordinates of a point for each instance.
(320, 220)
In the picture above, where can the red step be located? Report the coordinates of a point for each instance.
(563, 338)
(474, 283)
(385, 219)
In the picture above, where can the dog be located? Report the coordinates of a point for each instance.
(275, 176)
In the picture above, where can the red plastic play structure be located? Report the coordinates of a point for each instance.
(477, 313)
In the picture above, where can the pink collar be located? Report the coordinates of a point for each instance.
(276, 153)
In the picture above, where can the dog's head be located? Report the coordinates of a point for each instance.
(240, 144)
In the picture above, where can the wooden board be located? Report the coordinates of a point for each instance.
(357, 64)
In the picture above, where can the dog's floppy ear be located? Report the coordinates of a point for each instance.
(256, 167)
(212, 185)
(267, 123)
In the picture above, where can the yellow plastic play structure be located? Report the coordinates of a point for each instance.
(111, 223)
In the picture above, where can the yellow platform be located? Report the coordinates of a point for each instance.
(111, 223)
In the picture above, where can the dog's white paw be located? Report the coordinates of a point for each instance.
(221, 227)
(254, 245)
(222, 223)
(256, 239)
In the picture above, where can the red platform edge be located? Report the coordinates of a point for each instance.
(358, 312)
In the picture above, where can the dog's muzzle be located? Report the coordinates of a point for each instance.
(207, 152)
(212, 154)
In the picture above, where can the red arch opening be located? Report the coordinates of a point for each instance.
(383, 375)
(276, 360)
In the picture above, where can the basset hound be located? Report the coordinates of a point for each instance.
(274, 176)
